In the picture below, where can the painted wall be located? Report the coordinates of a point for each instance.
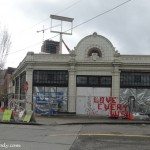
(140, 102)
(85, 104)
(49, 100)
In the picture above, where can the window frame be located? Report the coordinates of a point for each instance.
(89, 84)
(132, 80)
(59, 78)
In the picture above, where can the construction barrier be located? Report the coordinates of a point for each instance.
(23, 116)
(29, 117)
(16, 113)
(8, 115)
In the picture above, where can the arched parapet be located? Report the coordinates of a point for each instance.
(95, 46)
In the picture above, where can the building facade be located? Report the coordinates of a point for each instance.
(6, 86)
(2, 73)
(70, 82)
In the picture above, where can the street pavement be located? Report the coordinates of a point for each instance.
(75, 137)
(73, 132)
(30, 137)
(113, 137)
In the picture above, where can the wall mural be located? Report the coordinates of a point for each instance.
(85, 104)
(138, 99)
(50, 100)
(112, 106)
(98, 102)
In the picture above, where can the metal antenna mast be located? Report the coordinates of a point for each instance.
(61, 19)
(43, 30)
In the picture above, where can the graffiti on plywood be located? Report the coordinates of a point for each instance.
(112, 106)
(89, 109)
(50, 100)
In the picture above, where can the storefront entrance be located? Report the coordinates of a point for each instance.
(89, 87)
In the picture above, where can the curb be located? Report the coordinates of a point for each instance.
(78, 123)
(113, 123)
(21, 123)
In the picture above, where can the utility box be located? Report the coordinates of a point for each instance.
(50, 46)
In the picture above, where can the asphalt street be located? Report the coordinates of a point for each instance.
(75, 137)
(110, 143)
(37, 137)
(113, 137)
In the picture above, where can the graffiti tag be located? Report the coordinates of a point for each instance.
(112, 105)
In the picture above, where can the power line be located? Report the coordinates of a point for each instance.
(70, 6)
(57, 12)
(35, 24)
(24, 48)
(103, 13)
(43, 30)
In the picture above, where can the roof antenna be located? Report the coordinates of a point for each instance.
(66, 46)
(43, 30)
(60, 31)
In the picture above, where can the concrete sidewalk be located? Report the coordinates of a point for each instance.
(74, 119)
(77, 119)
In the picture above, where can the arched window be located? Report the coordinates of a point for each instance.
(94, 50)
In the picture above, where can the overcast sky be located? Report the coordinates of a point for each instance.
(127, 27)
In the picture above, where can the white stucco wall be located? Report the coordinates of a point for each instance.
(97, 41)
(85, 104)
(79, 63)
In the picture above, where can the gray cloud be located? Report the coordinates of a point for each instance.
(127, 27)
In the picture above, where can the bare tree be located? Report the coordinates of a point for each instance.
(4, 46)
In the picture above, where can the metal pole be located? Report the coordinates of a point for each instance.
(60, 44)
(43, 33)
